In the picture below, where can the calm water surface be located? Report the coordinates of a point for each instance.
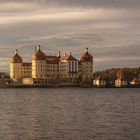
(70, 114)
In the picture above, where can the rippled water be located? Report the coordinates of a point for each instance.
(70, 114)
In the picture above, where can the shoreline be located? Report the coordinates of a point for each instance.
(61, 86)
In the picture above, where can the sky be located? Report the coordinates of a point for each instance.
(109, 28)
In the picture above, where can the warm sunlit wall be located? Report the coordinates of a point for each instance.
(39, 69)
(87, 70)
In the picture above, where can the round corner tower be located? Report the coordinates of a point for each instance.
(87, 65)
(16, 66)
(38, 64)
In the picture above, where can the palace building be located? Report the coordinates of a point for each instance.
(44, 67)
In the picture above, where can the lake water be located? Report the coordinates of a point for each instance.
(70, 114)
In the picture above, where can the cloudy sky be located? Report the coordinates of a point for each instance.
(109, 28)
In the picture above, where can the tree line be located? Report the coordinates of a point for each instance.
(127, 74)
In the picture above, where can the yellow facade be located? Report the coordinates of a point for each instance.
(16, 71)
(52, 71)
(39, 69)
(87, 70)
(69, 69)
(27, 81)
(50, 67)
(19, 71)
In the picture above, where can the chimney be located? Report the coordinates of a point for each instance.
(86, 50)
(39, 47)
(35, 49)
(16, 52)
(59, 54)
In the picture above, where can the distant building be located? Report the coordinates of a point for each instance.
(120, 82)
(134, 82)
(98, 82)
(19, 69)
(44, 67)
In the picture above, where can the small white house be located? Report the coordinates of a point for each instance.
(134, 82)
(98, 82)
(120, 82)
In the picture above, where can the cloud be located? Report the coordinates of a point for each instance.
(110, 28)
(96, 3)
(83, 3)
(43, 4)
(45, 16)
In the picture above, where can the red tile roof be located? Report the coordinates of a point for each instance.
(86, 57)
(52, 60)
(16, 58)
(68, 58)
(27, 64)
(39, 55)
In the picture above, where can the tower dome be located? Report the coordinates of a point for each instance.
(38, 55)
(16, 58)
(86, 57)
